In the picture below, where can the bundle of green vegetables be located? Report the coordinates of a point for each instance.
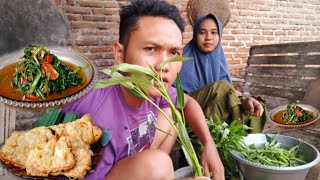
(295, 114)
(227, 138)
(39, 73)
(142, 78)
(273, 154)
(230, 138)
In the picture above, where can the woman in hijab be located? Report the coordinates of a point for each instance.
(207, 79)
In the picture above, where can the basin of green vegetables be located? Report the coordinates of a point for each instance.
(275, 157)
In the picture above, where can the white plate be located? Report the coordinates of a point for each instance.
(65, 55)
(284, 107)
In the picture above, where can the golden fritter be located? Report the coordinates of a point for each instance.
(63, 149)
(16, 148)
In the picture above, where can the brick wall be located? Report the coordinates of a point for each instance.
(267, 21)
(94, 26)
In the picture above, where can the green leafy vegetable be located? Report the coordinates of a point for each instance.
(55, 116)
(230, 138)
(69, 117)
(49, 118)
(273, 154)
(295, 114)
(227, 138)
(39, 73)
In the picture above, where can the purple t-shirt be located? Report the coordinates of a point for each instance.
(132, 129)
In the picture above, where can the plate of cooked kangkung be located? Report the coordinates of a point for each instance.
(294, 115)
(40, 77)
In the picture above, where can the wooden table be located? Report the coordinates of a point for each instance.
(310, 134)
(14, 119)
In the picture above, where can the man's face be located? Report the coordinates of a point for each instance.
(208, 36)
(155, 40)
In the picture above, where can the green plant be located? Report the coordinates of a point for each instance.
(273, 153)
(137, 83)
(227, 138)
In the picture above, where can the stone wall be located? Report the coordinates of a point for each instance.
(25, 22)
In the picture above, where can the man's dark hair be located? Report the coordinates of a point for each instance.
(130, 14)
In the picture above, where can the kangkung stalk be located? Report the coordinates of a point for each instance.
(137, 83)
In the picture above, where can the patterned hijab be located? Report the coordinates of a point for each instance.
(203, 69)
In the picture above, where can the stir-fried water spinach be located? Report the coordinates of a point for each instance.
(295, 114)
(39, 73)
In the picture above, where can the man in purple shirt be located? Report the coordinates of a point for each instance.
(150, 32)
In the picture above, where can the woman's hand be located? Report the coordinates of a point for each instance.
(253, 106)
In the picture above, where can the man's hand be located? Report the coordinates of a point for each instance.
(253, 106)
(211, 161)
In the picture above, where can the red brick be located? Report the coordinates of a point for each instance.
(111, 4)
(104, 11)
(74, 17)
(228, 55)
(93, 18)
(109, 42)
(102, 49)
(78, 25)
(236, 44)
(252, 23)
(243, 55)
(70, 2)
(115, 19)
(106, 63)
(86, 42)
(108, 25)
(95, 56)
(109, 55)
(229, 49)
(81, 49)
(244, 38)
(256, 2)
(246, 13)
(267, 33)
(293, 33)
(237, 32)
(91, 4)
(78, 10)
(280, 33)
(228, 38)
(98, 33)
(245, 50)
(233, 62)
